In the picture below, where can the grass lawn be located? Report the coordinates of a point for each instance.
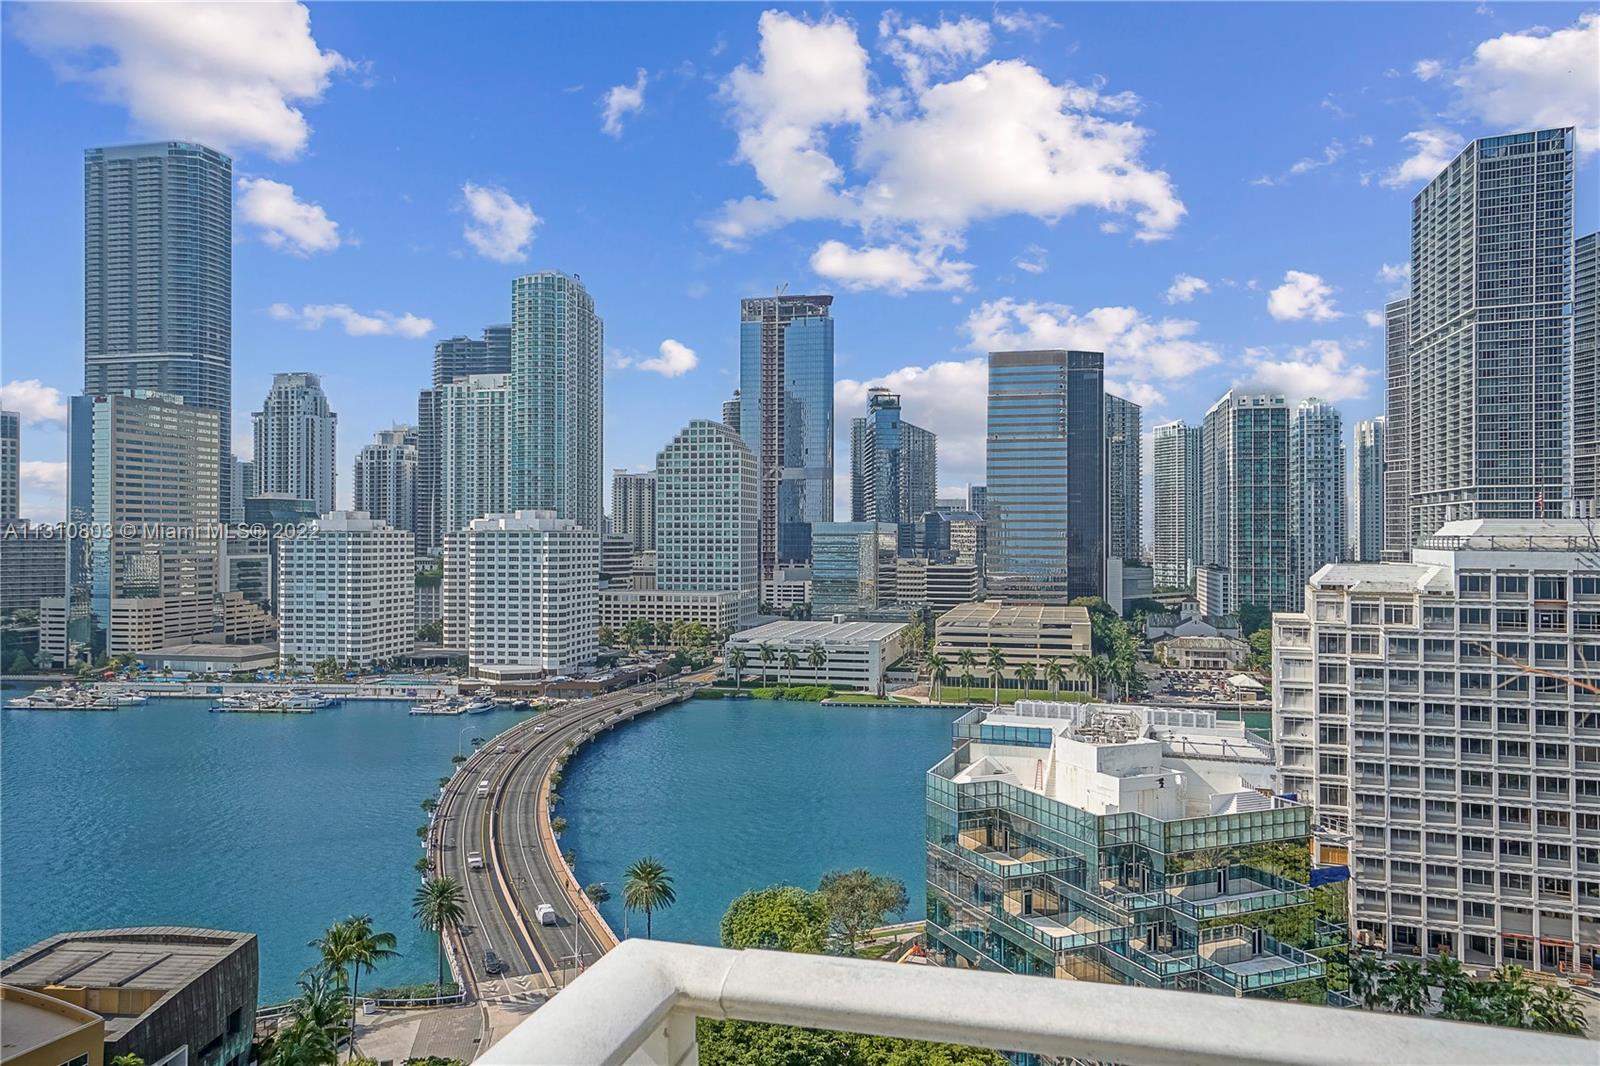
(985, 694)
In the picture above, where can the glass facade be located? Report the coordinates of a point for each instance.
(1124, 478)
(1176, 461)
(894, 468)
(1245, 521)
(851, 567)
(1586, 373)
(1317, 494)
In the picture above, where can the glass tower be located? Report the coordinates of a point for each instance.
(1317, 522)
(295, 438)
(1586, 373)
(1177, 504)
(1366, 496)
(1124, 477)
(1245, 485)
(1397, 433)
(704, 494)
(894, 467)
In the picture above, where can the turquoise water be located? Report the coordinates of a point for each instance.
(271, 824)
(740, 794)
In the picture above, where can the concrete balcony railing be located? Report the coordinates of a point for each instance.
(638, 1005)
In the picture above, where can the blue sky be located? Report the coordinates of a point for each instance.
(1212, 193)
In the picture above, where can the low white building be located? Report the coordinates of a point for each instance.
(346, 591)
(715, 610)
(856, 654)
(531, 597)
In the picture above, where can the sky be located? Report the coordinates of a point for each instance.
(1212, 194)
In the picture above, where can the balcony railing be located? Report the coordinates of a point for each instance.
(638, 1005)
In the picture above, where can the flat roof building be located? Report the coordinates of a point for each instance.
(1032, 633)
(856, 654)
(37, 1029)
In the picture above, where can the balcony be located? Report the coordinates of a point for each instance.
(638, 1005)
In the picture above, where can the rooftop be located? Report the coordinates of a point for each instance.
(803, 632)
(30, 1020)
(1013, 615)
(1383, 577)
(1515, 534)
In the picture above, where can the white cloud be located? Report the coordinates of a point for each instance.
(286, 223)
(501, 228)
(355, 323)
(1431, 151)
(1427, 69)
(1034, 259)
(1185, 287)
(1395, 273)
(43, 474)
(946, 397)
(894, 268)
(1373, 319)
(1537, 79)
(1316, 369)
(1301, 295)
(621, 100)
(1020, 21)
(38, 404)
(674, 361)
(229, 75)
(43, 490)
(921, 50)
(1140, 351)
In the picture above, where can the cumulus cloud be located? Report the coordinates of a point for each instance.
(1374, 319)
(1185, 287)
(230, 75)
(1536, 79)
(1427, 69)
(622, 100)
(502, 227)
(921, 50)
(43, 490)
(1141, 352)
(946, 397)
(1316, 369)
(894, 268)
(1431, 151)
(675, 360)
(286, 223)
(1395, 273)
(1020, 21)
(355, 323)
(1301, 295)
(38, 404)
(1034, 259)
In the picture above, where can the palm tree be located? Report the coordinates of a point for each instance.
(938, 670)
(1405, 988)
(789, 662)
(1366, 979)
(1055, 675)
(817, 656)
(1555, 1010)
(767, 654)
(318, 1021)
(1457, 999)
(966, 658)
(738, 660)
(647, 886)
(347, 948)
(439, 905)
(996, 662)
(1025, 674)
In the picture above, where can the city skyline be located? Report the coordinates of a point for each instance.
(1188, 341)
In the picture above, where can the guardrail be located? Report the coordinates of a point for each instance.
(413, 1003)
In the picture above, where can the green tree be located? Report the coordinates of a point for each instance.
(1260, 657)
(647, 886)
(127, 1060)
(1405, 988)
(21, 664)
(1055, 675)
(734, 1043)
(439, 904)
(1509, 997)
(817, 657)
(1555, 1009)
(319, 1019)
(938, 670)
(996, 662)
(350, 947)
(859, 900)
(738, 660)
(1253, 618)
(558, 825)
(790, 662)
(597, 893)
(431, 632)
(1025, 675)
(780, 918)
(1366, 979)
(429, 805)
(967, 660)
(767, 654)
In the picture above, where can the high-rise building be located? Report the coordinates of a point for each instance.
(1586, 374)
(1452, 763)
(633, 508)
(295, 441)
(531, 581)
(978, 499)
(1318, 526)
(730, 411)
(706, 527)
(386, 478)
(33, 566)
(1367, 494)
(1178, 501)
(158, 277)
(471, 420)
(461, 357)
(955, 536)
(241, 474)
(786, 417)
(1124, 479)
(1489, 348)
(894, 467)
(852, 567)
(1397, 539)
(347, 591)
(1246, 557)
(557, 419)
(10, 466)
(1046, 474)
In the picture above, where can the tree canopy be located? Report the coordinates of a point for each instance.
(780, 918)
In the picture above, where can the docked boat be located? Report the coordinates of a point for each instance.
(478, 706)
(120, 699)
(234, 703)
(310, 701)
(443, 705)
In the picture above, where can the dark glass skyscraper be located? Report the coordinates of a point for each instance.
(1046, 474)
(894, 467)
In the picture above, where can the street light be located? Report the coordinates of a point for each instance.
(460, 735)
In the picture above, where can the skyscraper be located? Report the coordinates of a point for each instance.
(347, 591)
(978, 499)
(1586, 374)
(786, 417)
(1046, 474)
(633, 508)
(1317, 523)
(158, 276)
(1124, 478)
(1489, 347)
(472, 418)
(705, 495)
(461, 357)
(1367, 494)
(1397, 539)
(894, 467)
(730, 411)
(295, 441)
(1245, 545)
(1178, 501)
(386, 478)
(557, 421)
(10, 466)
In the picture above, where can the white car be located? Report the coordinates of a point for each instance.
(545, 913)
(474, 861)
(483, 787)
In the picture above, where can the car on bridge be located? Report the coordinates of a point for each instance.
(474, 860)
(492, 964)
(546, 914)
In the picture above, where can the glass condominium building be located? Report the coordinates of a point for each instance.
(1317, 518)
(1124, 478)
(1367, 494)
(894, 467)
(786, 417)
(1586, 373)
(1176, 462)
(1245, 540)
(1397, 538)
(1046, 474)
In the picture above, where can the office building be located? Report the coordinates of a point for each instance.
(1246, 554)
(1033, 633)
(955, 536)
(1441, 715)
(472, 422)
(10, 467)
(730, 411)
(386, 478)
(1318, 527)
(1046, 475)
(464, 357)
(786, 417)
(616, 562)
(939, 585)
(1119, 844)
(1124, 479)
(894, 467)
(1367, 493)
(1586, 374)
(1397, 537)
(1176, 459)
(1489, 350)
(633, 508)
(531, 580)
(241, 474)
(853, 655)
(162, 993)
(978, 499)
(347, 591)
(852, 567)
(719, 612)
(295, 441)
(158, 277)
(557, 420)
(33, 566)
(789, 588)
(707, 516)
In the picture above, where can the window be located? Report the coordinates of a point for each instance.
(1510, 586)
(1472, 584)
(1550, 588)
